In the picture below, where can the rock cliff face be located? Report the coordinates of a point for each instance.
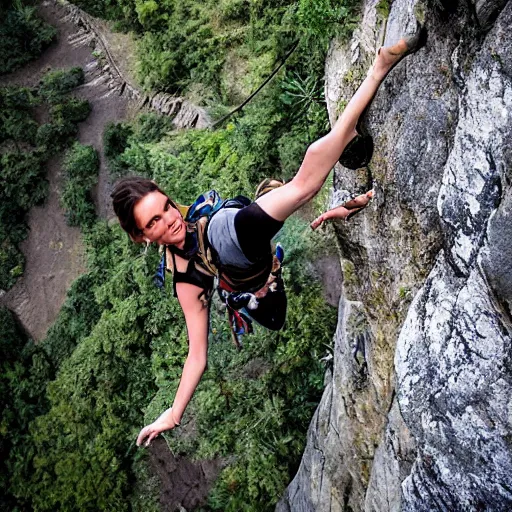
(417, 411)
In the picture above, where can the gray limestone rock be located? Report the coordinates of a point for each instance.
(496, 256)
(488, 10)
(417, 415)
(333, 442)
(392, 463)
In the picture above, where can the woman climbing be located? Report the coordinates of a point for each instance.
(235, 242)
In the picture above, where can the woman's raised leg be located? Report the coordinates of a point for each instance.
(324, 153)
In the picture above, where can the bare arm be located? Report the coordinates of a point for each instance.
(196, 318)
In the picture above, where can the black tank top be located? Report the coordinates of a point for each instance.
(191, 275)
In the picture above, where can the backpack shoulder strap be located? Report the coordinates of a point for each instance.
(205, 252)
(183, 209)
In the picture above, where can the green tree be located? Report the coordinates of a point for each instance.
(23, 35)
(81, 166)
(55, 85)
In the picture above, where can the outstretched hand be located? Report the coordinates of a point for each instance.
(164, 422)
(344, 211)
(318, 222)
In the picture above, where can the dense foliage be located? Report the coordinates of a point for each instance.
(26, 146)
(23, 185)
(24, 371)
(113, 359)
(119, 346)
(23, 35)
(81, 167)
(220, 51)
(56, 84)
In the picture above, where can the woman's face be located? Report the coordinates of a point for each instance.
(159, 221)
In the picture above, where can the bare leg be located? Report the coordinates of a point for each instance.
(386, 58)
(324, 153)
(343, 212)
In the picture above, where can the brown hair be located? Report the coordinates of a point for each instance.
(126, 194)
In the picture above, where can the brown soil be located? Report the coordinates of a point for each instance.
(184, 484)
(54, 251)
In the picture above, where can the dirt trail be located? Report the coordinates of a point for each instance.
(54, 252)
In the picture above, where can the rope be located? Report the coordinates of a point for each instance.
(242, 105)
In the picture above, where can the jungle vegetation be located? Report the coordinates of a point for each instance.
(23, 35)
(74, 403)
(26, 145)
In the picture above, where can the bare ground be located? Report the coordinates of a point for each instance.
(183, 482)
(54, 251)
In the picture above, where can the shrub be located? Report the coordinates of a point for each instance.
(46, 136)
(63, 126)
(81, 164)
(324, 18)
(11, 264)
(12, 340)
(24, 372)
(23, 36)
(81, 167)
(55, 85)
(18, 126)
(152, 127)
(16, 122)
(70, 111)
(23, 185)
(115, 138)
